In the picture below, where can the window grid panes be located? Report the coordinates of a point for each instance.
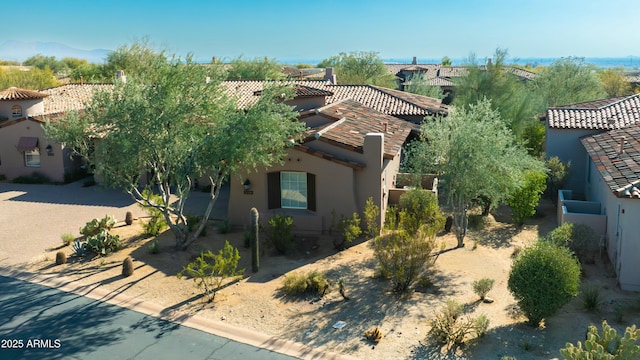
(293, 190)
(32, 158)
(16, 110)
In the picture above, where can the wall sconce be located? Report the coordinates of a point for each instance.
(49, 150)
(247, 185)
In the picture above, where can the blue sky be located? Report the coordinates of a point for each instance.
(284, 29)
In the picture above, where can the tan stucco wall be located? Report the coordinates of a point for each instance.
(334, 190)
(12, 161)
(29, 107)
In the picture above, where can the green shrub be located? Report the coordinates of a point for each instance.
(192, 224)
(609, 345)
(348, 231)
(96, 226)
(591, 297)
(209, 270)
(313, 282)
(579, 238)
(419, 211)
(155, 225)
(449, 327)
(543, 278)
(103, 243)
(67, 238)
(224, 226)
(371, 213)
(523, 201)
(558, 174)
(154, 246)
(404, 258)
(280, 233)
(482, 287)
(34, 178)
(391, 218)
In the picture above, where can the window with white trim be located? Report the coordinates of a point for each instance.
(32, 158)
(293, 190)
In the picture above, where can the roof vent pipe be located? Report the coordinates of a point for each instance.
(330, 76)
(415, 61)
(623, 140)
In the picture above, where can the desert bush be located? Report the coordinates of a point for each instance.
(476, 221)
(194, 220)
(579, 238)
(280, 233)
(61, 258)
(156, 222)
(224, 226)
(313, 282)
(523, 201)
(96, 226)
(609, 345)
(348, 231)
(482, 287)
(371, 213)
(404, 258)
(154, 246)
(449, 327)
(67, 238)
(102, 243)
(419, 211)
(391, 218)
(209, 270)
(558, 174)
(127, 267)
(374, 334)
(34, 178)
(591, 297)
(543, 278)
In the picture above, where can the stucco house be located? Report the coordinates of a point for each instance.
(24, 149)
(350, 153)
(565, 125)
(613, 180)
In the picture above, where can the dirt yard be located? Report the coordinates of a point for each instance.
(257, 303)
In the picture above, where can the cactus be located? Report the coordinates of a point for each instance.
(127, 267)
(61, 258)
(255, 255)
(128, 219)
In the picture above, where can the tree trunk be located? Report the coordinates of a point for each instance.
(215, 190)
(460, 222)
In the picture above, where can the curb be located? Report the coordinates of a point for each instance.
(245, 336)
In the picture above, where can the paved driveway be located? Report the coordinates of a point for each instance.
(39, 322)
(32, 217)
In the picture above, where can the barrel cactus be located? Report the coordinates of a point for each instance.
(61, 258)
(127, 267)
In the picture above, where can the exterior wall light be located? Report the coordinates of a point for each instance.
(49, 150)
(247, 185)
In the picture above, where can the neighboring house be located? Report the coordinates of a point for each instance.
(24, 149)
(613, 180)
(565, 126)
(351, 153)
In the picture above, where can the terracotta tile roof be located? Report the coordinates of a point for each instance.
(303, 91)
(606, 114)
(353, 120)
(620, 170)
(439, 71)
(387, 101)
(14, 93)
(70, 97)
(244, 91)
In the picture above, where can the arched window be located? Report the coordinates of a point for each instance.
(16, 110)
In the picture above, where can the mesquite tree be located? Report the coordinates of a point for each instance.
(171, 125)
(474, 154)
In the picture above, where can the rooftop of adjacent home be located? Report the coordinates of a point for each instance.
(604, 114)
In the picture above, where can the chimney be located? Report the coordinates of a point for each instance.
(120, 76)
(623, 140)
(330, 76)
(415, 61)
(489, 62)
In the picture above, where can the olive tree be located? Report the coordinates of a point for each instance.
(170, 123)
(474, 154)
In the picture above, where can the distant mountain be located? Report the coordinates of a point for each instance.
(20, 51)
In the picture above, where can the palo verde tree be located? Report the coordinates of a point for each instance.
(360, 68)
(568, 81)
(170, 123)
(255, 69)
(474, 154)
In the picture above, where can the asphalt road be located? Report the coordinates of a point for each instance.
(38, 322)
